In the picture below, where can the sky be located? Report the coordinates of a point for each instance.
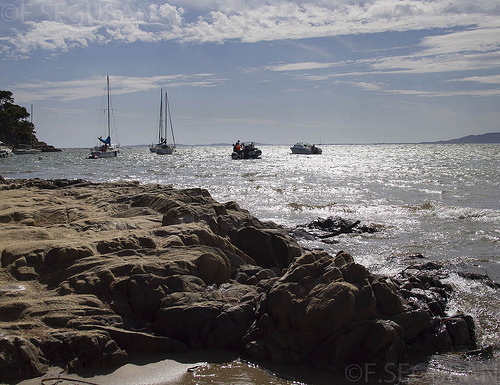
(277, 72)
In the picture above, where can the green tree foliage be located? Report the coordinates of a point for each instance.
(15, 128)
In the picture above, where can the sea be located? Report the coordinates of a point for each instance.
(428, 202)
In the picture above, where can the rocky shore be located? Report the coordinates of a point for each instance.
(42, 146)
(91, 273)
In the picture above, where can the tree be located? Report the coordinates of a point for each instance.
(15, 129)
(5, 97)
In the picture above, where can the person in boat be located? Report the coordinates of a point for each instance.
(107, 142)
(237, 147)
(246, 151)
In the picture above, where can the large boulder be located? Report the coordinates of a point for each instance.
(268, 247)
(330, 311)
(19, 358)
(312, 307)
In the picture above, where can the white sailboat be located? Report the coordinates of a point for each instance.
(163, 147)
(106, 149)
(30, 150)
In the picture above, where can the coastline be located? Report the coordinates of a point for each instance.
(94, 272)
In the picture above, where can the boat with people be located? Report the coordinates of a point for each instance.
(106, 149)
(245, 151)
(305, 148)
(163, 147)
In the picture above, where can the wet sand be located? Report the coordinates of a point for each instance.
(199, 367)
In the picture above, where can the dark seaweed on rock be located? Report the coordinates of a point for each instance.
(325, 229)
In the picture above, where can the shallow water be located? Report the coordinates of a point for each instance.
(440, 201)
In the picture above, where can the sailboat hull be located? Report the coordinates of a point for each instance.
(165, 150)
(104, 154)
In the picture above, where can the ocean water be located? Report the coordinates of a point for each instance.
(438, 201)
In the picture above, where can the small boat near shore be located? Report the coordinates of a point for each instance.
(5, 151)
(305, 148)
(26, 151)
(245, 151)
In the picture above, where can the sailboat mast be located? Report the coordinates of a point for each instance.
(31, 117)
(169, 114)
(160, 127)
(109, 121)
(166, 117)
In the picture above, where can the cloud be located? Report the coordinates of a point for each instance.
(93, 21)
(53, 35)
(300, 66)
(58, 25)
(478, 93)
(369, 86)
(87, 88)
(475, 40)
(463, 50)
(461, 36)
(492, 79)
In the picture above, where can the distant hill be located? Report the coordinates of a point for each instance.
(492, 137)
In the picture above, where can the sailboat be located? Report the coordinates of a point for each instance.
(163, 147)
(106, 149)
(31, 149)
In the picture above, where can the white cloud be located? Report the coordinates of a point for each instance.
(469, 50)
(53, 35)
(166, 13)
(301, 66)
(93, 21)
(471, 41)
(121, 85)
(444, 63)
(477, 40)
(369, 86)
(478, 93)
(493, 79)
(476, 49)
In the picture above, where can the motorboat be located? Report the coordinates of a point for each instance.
(245, 151)
(305, 148)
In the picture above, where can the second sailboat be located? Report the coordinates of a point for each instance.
(163, 147)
